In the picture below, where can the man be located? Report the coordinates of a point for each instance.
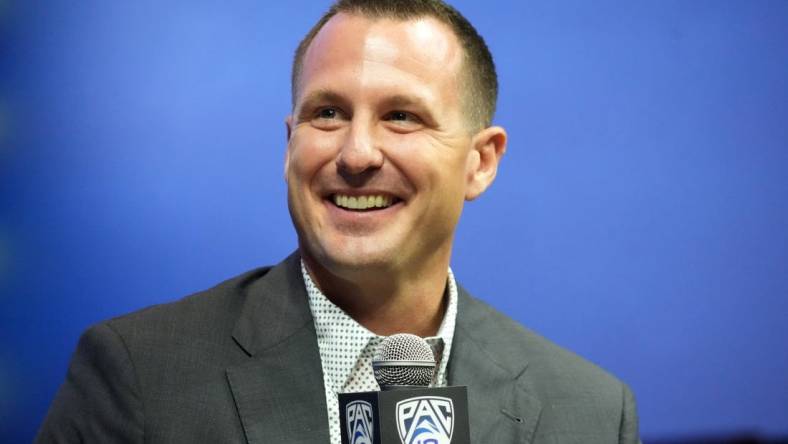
(389, 135)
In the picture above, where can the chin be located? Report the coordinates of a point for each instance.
(364, 258)
(355, 255)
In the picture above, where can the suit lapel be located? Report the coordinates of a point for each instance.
(279, 392)
(501, 410)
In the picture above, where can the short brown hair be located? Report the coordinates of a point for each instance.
(480, 77)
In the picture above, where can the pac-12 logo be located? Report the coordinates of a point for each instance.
(425, 420)
(358, 415)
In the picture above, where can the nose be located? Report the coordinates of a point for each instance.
(359, 153)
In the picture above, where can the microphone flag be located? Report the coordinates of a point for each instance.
(406, 416)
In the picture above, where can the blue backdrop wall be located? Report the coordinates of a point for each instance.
(640, 216)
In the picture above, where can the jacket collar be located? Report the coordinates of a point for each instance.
(501, 409)
(279, 391)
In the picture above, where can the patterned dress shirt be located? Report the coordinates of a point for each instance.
(347, 348)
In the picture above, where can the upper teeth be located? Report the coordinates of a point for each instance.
(361, 202)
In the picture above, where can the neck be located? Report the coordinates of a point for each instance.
(385, 301)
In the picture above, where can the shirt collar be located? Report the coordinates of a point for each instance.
(341, 340)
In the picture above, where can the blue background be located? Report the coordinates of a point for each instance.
(640, 216)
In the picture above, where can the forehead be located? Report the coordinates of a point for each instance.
(379, 50)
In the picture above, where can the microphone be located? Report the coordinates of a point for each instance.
(403, 361)
(406, 410)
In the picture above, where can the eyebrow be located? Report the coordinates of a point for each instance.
(329, 97)
(326, 95)
(321, 96)
(405, 101)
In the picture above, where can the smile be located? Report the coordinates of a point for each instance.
(362, 202)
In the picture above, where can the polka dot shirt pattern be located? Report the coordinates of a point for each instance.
(346, 348)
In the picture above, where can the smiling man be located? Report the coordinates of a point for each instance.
(382, 153)
(390, 133)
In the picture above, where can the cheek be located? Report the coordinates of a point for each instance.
(308, 154)
(429, 165)
(412, 155)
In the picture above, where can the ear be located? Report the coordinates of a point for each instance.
(289, 129)
(487, 148)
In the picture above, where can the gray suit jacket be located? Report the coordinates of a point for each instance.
(240, 363)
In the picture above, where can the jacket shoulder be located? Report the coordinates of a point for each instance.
(178, 344)
(208, 311)
(142, 375)
(553, 372)
(580, 402)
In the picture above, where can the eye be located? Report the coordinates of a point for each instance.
(399, 115)
(327, 113)
(328, 118)
(403, 121)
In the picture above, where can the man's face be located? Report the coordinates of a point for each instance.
(379, 156)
